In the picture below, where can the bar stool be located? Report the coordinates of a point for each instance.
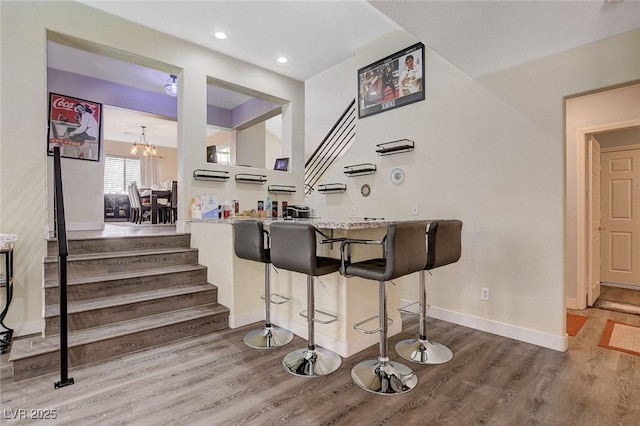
(444, 246)
(404, 253)
(249, 243)
(293, 247)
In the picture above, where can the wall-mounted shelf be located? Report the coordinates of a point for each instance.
(332, 188)
(251, 178)
(395, 147)
(360, 169)
(281, 189)
(214, 175)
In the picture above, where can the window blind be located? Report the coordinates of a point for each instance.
(119, 172)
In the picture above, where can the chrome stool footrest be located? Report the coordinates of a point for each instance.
(332, 317)
(384, 377)
(268, 337)
(356, 327)
(311, 362)
(404, 309)
(280, 301)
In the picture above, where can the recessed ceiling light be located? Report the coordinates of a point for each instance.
(220, 35)
(283, 60)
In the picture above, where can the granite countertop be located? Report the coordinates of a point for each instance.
(344, 224)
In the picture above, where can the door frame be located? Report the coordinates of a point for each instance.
(593, 215)
(584, 262)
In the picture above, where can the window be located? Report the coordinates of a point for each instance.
(119, 172)
(223, 153)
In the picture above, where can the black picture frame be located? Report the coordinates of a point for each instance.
(68, 114)
(212, 154)
(281, 164)
(392, 82)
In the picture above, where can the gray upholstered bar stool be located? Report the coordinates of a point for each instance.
(444, 246)
(404, 252)
(250, 244)
(293, 247)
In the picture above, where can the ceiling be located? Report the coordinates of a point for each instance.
(478, 37)
(619, 137)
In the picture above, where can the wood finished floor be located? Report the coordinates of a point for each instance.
(217, 380)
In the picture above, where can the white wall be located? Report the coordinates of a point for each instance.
(328, 95)
(491, 153)
(25, 184)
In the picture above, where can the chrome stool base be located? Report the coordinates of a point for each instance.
(268, 337)
(311, 363)
(424, 351)
(384, 378)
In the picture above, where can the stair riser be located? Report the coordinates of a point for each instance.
(110, 288)
(99, 317)
(118, 346)
(114, 245)
(103, 266)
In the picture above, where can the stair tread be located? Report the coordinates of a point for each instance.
(125, 299)
(120, 254)
(29, 347)
(125, 275)
(122, 237)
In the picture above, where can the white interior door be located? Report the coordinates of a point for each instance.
(620, 247)
(594, 171)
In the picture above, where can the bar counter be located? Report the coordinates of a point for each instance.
(241, 282)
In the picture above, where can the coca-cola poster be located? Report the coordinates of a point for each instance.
(75, 126)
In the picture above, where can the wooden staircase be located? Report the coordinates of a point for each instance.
(125, 294)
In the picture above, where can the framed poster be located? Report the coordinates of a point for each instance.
(212, 154)
(75, 126)
(392, 82)
(281, 164)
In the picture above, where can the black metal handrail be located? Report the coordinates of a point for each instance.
(331, 148)
(63, 252)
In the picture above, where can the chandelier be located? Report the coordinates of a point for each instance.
(143, 147)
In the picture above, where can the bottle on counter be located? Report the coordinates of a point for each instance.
(267, 207)
(226, 210)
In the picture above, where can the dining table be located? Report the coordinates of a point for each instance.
(157, 198)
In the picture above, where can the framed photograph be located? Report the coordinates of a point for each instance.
(282, 164)
(212, 155)
(75, 125)
(392, 82)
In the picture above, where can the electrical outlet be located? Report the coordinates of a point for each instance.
(484, 293)
(415, 210)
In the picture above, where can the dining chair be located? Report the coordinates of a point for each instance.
(170, 210)
(140, 206)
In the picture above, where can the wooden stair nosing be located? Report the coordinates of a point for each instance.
(98, 265)
(26, 348)
(81, 306)
(120, 254)
(114, 347)
(115, 244)
(115, 276)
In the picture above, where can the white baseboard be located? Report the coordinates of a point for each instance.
(344, 349)
(571, 303)
(237, 321)
(558, 343)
